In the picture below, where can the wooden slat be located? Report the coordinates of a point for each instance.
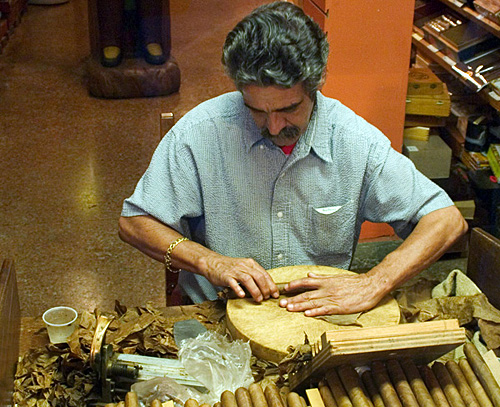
(9, 334)
(422, 342)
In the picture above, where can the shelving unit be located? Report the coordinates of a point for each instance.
(458, 69)
(468, 89)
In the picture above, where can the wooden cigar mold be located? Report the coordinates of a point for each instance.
(390, 383)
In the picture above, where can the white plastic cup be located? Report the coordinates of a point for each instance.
(60, 322)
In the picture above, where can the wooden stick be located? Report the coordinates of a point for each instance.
(461, 383)
(483, 373)
(447, 385)
(352, 385)
(228, 399)
(433, 386)
(371, 388)
(385, 387)
(474, 383)
(257, 395)
(400, 383)
(423, 396)
(326, 394)
(272, 395)
(315, 399)
(337, 389)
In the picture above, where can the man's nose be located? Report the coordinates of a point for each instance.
(275, 123)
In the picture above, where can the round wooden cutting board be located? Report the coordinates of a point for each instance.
(272, 329)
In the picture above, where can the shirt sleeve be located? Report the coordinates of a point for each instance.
(397, 192)
(169, 190)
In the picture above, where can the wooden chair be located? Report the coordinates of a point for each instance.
(483, 265)
(167, 121)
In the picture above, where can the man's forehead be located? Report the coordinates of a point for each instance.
(272, 98)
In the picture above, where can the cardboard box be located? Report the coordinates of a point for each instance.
(432, 158)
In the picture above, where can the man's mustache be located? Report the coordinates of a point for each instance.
(289, 132)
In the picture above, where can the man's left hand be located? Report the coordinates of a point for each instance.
(326, 295)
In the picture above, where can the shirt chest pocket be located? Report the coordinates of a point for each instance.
(331, 229)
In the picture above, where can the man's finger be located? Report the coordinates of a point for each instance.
(252, 288)
(305, 283)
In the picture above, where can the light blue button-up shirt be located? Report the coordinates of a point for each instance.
(215, 179)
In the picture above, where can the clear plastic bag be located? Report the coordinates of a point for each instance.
(164, 389)
(217, 363)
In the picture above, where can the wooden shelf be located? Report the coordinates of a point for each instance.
(431, 52)
(473, 15)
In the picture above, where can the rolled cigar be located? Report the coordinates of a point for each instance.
(284, 390)
(401, 384)
(273, 397)
(243, 398)
(474, 383)
(326, 395)
(228, 399)
(205, 405)
(337, 389)
(447, 385)
(293, 400)
(120, 404)
(218, 404)
(110, 405)
(420, 391)
(372, 390)
(461, 384)
(385, 387)
(433, 386)
(156, 403)
(483, 373)
(131, 399)
(191, 403)
(352, 385)
(257, 395)
(303, 402)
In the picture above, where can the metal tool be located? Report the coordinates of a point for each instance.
(117, 372)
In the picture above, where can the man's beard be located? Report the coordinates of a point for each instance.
(287, 133)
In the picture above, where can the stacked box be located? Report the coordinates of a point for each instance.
(494, 159)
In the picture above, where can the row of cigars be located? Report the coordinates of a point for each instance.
(393, 383)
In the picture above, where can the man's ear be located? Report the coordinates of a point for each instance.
(323, 80)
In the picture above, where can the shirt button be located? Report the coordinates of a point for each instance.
(261, 146)
(280, 214)
(280, 256)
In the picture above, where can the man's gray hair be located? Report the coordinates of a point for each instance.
(277, 44)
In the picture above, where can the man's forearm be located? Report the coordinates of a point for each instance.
(153, 238)
(430, 239)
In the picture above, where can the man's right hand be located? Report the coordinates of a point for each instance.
(237, 273)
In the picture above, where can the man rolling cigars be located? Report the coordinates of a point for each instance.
(276, 174)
